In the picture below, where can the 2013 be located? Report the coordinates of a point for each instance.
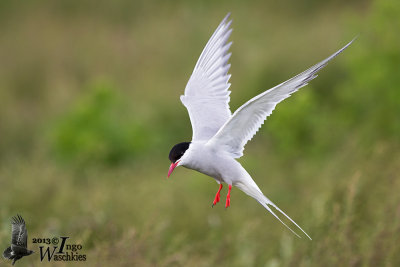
(46, 241)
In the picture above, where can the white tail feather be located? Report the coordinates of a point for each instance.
(248, 186)
(268, 208)
(268, 202)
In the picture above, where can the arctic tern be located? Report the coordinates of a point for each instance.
(219, 136)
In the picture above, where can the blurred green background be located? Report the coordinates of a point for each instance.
(90, 109)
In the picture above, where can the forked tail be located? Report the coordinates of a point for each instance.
(249, 187)
(265, 202)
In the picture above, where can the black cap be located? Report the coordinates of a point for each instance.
(177, 151)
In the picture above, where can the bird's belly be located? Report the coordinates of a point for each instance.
(220, 168)
(206, 167)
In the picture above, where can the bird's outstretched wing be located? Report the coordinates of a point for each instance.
(206, 94)
(247, 119)
(19, 232)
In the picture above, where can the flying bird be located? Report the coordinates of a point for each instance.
(19, 238)
(219, 136)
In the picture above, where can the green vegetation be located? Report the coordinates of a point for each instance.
(98, 130)
(90, 109)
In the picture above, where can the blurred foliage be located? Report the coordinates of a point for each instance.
(97, 85)
(370, 97)
(97, 129)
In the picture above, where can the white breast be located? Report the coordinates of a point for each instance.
(215, 163)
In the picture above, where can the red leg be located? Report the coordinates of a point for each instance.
(228, 197)
(217, 196)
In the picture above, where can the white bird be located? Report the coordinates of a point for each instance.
(218, 136)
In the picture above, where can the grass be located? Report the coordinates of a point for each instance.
(90, 108)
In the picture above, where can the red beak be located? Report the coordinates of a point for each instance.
(172, 167)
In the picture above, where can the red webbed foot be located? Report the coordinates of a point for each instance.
(217, 196)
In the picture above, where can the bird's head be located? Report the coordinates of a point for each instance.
(176, 154)
(30, 252)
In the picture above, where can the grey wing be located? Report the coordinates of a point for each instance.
(247, 119)
(19, 232)
(206, 94)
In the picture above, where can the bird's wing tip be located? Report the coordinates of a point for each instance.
(227, 17)
(349, 43)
